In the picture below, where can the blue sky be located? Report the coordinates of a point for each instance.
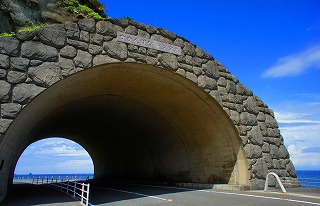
(272, 46)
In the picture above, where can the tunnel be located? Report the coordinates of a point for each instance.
(138, 122)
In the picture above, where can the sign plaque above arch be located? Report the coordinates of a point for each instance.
(144, 42)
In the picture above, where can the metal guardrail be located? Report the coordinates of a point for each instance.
(277, 178)
(77, 190)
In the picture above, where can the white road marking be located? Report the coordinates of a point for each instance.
(229, 193)
(135, 193)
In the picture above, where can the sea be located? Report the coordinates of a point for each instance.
(30, 176)
(307, 178)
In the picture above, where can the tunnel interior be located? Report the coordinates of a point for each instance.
(138, 123)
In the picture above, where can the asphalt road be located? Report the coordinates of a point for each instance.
(142, 195)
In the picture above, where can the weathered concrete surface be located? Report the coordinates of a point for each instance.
(199, 122)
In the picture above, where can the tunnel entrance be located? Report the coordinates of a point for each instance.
(138, 123)
(54, 156)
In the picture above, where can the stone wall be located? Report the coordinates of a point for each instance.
(33, 61)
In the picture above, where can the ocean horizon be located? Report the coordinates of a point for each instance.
(307, 178)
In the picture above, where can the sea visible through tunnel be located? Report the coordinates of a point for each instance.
(307, 178)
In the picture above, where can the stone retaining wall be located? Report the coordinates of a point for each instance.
(33, 61)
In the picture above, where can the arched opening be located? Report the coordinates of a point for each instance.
(54, 157)
(138, 122)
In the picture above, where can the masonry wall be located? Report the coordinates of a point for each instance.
(30, 62)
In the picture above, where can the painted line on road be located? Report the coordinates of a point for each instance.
(259, 196)
(229, 193)
(135, 193)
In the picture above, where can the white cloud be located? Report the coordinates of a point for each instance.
(295, 64)
(300, 126)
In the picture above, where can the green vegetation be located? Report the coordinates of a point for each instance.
(93, 8)
(7, 34)
(29, 27)
(128, 18)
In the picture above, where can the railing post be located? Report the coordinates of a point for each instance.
(68, 187)
(82, 190)
(277, 178)
(74, 189)
(87, 203)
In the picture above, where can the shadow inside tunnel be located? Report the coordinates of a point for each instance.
(115, 192)
(23, 194)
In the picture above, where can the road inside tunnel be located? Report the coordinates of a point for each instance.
(138, 123)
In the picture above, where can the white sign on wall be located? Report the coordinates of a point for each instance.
(144, 42)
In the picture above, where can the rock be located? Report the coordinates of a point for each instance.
(53, 35)
(78, 44)
(131, 30)
(248, 119)
(84, 36)
(260, 169)
(39, 51)
(271, 122)
(87, 25)
(103, 59)
(83, 59)
(231, 87)
(67, 66)
(72, 30)
(4, 125)
(5, 89)
(274, 151)
(4, 61)
(46, 74)
(253, 151)
(68, 52)
(188, 49)
(211, 70)
(15, 77)
(9, 46)
(25, 36)
(96, 39)
(10, 110)
(167, 34)
(251, 105)
(24, 93)
(117, 50)
(3, 73)
(255, 136)
(243, 90)
(192, 77)
(283, 152)
(291, 170)
(107, 28)
(207, 82)
(170, 61)
(95, 49)
(19, 63)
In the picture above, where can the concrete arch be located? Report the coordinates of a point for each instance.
(134, 127)
(221, 131)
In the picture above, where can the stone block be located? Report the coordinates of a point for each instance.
(54, 35)
(117, 50)
(9, 46)
(255, 136)
(4, 125)
(24, 93)
(87, 25)
(4, 61)
(46, 74)
(10, 110)
(83, 59)
(19, 63)
(72, 30)
(253, 151)
(39, 51)
(211, 70)
(15, 77)
(5, 90)
(103, 59)
(170, 61)
(96, 39)
(68, 52)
